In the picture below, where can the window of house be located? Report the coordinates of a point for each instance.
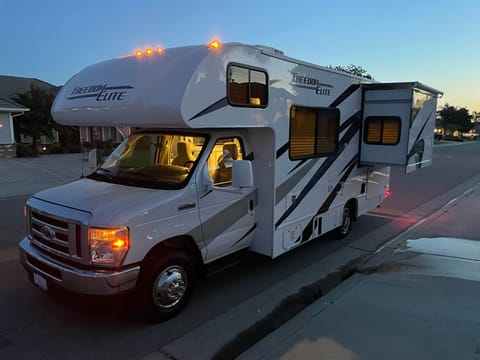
(382, 130)
(313, 132)
(247, 87)
(220, 161)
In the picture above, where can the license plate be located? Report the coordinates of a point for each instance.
(40, 281)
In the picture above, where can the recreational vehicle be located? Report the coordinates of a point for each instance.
(234, 147)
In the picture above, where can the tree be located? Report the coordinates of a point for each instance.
(37, 121)
(354, 70)
(453, 118)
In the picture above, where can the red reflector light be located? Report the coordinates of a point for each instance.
(387, 192)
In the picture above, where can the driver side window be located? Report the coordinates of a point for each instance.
(221, 159)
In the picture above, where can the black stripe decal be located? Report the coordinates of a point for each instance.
(244, 236)
(307, 232)
(297, 166)
(343, 96)
(423, 128)
(215, 106)
(283, 149)
(418, 146)
(208, 192)
(355, 120)
(292, 180)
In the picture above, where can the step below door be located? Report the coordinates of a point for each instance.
(398, 124)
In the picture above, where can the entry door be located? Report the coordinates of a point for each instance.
(227, 214)
(398, 124)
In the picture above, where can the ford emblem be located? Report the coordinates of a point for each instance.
(47, 232)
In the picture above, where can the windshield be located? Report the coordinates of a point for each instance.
(158, 160)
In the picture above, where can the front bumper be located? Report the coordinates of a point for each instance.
(91, 282)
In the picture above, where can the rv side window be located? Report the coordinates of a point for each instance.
(313, 132)
(247, 87)
(382, 130)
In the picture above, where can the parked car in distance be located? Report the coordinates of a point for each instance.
(472, 135)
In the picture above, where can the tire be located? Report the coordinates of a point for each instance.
(166, 285)
(347, 219)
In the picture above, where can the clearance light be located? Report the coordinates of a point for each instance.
(387, 193)
(215, 44)
(149, 51)
(108, 246)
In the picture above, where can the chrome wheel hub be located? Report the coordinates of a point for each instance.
(346, 221)
(170, 287)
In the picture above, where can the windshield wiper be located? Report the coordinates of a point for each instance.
(104, 169)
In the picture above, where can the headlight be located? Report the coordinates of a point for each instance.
(108, 246)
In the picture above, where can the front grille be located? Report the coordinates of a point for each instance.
(55, 235)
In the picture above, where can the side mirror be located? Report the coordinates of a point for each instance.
(242, 174)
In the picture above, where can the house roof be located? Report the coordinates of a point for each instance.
(11, 106)
(10, 86)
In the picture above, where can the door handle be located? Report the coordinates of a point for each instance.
(186, 206)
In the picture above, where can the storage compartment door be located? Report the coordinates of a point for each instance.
(398, 128)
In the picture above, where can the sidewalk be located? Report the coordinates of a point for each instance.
(26, 176)
(416, 299)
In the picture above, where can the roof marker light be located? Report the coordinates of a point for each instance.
(215, 44)
(138, 52)
(148, 51)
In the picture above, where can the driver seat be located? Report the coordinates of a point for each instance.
(184, 155)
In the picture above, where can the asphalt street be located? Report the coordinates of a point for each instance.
(320, 287)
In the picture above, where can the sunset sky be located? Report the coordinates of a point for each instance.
(434, 42)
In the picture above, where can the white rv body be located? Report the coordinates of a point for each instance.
(193, 91)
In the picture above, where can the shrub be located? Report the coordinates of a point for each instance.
(26, 150)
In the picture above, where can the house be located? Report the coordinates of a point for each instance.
(10, 87)
(8, 111)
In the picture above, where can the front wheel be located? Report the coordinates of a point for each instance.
(167, 284)
(347, 220)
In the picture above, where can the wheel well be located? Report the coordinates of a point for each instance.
(184, 244)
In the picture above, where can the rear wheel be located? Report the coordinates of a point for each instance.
(167, 284)
(347, 220)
